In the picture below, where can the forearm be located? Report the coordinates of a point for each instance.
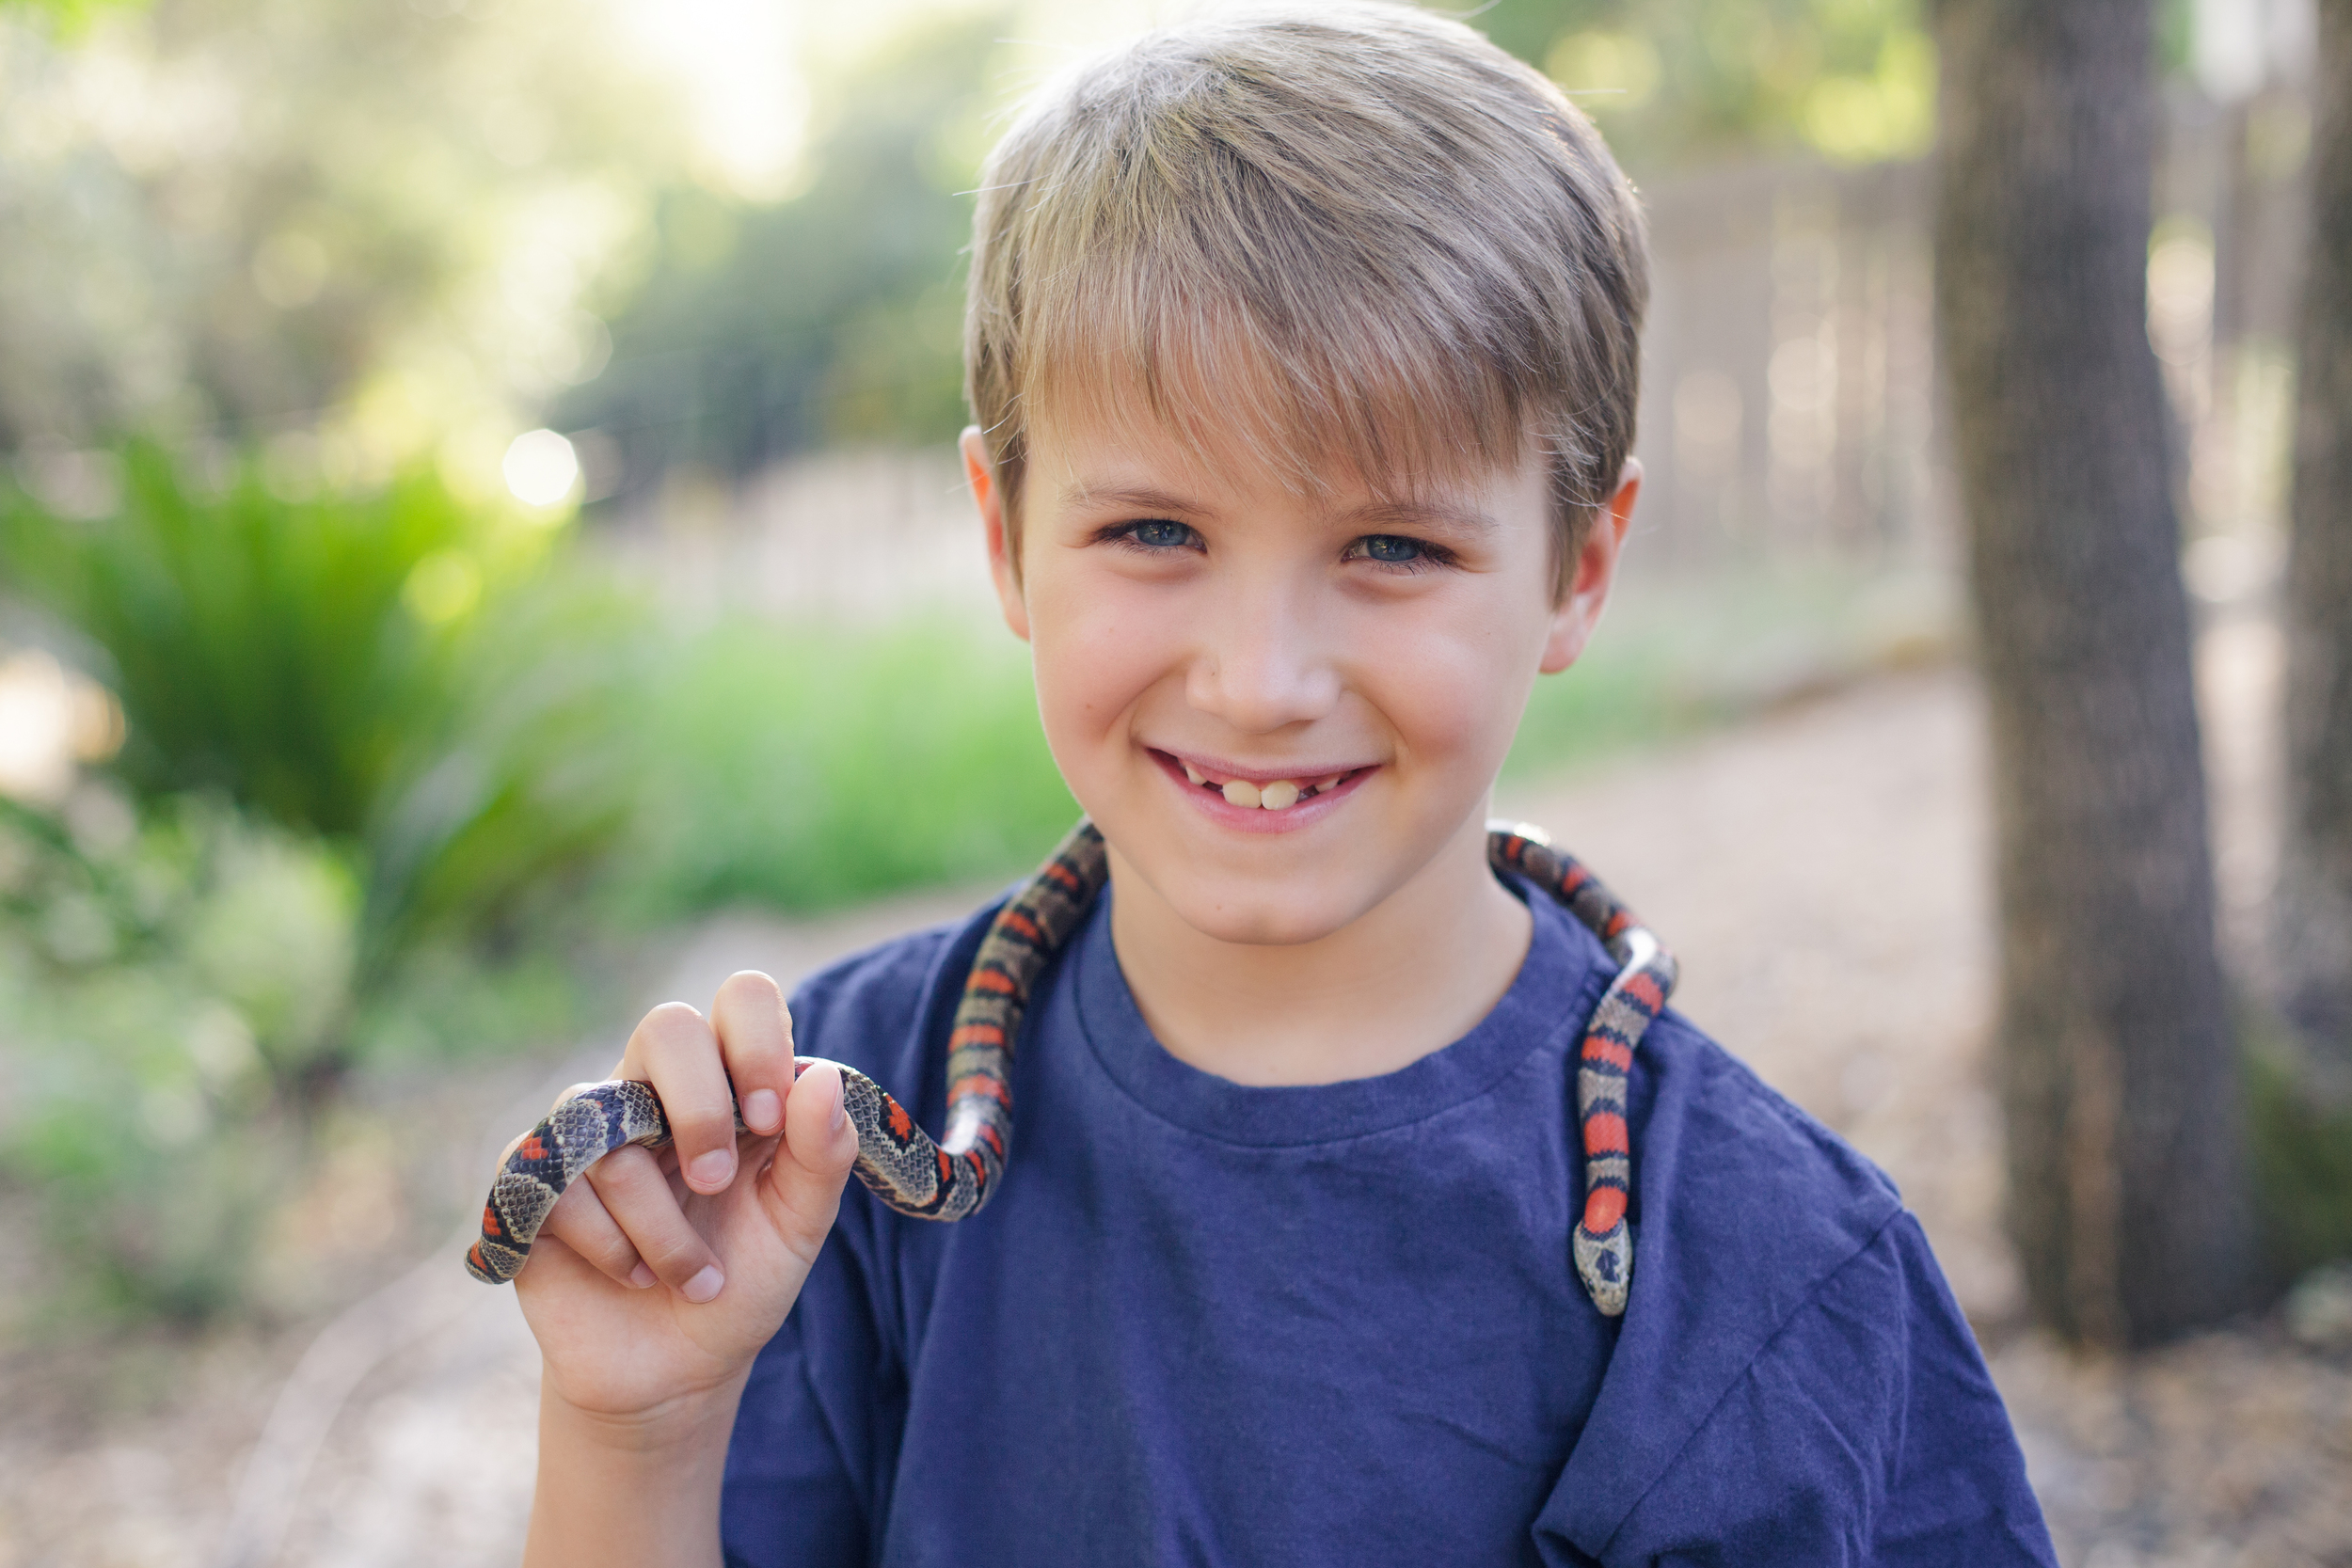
(637, 1492)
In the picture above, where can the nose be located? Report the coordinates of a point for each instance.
(1262, 665)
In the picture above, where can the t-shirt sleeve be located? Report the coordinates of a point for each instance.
(1868, 1431)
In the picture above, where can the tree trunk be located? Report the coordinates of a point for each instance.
(2118, 1069)
(2315, 908)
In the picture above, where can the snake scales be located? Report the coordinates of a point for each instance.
(954, 1177)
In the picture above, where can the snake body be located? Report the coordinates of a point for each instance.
(951, 1178)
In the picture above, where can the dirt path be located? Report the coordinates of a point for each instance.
(1820, 874)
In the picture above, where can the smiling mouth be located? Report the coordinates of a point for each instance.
(1267, 794)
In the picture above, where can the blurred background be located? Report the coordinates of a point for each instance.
(482, 550)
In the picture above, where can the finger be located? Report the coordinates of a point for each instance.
(812, 1160)
(756, 1034)
(676, 1052)
(638, 1196)
(580, 1221)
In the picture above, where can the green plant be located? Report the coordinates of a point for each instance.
(2302, 1153)
(271, 649)
(802, 767)
(392, 669)
(168, 991)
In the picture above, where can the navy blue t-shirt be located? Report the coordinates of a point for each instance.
(1208, 1324)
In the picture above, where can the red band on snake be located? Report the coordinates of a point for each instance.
(953, 1177)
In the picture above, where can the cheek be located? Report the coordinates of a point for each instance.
(1096, 651)
(1452, 684)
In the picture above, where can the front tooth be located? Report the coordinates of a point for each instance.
(1278, 796)
(1194, 774)
(1241, 792)
(1332, 782)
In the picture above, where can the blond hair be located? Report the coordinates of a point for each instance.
(1360, 231)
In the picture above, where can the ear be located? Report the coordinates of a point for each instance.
(1594, 573)
(980, 472)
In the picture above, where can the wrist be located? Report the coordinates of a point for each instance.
(685, 1422)
(631, 1487)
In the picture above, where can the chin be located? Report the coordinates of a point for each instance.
(1261, 916)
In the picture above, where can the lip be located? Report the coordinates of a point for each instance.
(1256, 820)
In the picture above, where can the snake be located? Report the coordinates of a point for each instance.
(952, 1178)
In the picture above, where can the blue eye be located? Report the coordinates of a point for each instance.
(1391, 549)
(1158, 533)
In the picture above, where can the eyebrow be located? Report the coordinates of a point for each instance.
(1124, 498)
(1437, 516)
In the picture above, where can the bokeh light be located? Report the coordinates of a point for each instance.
(541, 469)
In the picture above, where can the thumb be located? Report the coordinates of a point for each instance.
(812, 1160)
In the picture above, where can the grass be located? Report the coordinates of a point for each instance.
(806, 767)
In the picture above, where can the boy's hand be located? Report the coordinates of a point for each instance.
(658, 1278)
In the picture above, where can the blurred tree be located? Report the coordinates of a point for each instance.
(1674, 82)
(2315, 887)
(833, 316)
(232, 216)
(2303, 1095)
(2119, 1073)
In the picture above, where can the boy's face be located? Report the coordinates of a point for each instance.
(1282, 709)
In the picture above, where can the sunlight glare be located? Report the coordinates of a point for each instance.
(541, 467)
(736, 60)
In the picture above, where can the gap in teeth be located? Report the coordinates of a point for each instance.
(1275, 795)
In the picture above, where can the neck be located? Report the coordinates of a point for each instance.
(1407, 976)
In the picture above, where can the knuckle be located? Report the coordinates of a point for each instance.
(676, 1257)
(662, 1030)
(752, 987)
(626, 1173)
(704, 1126)
(670, 1015)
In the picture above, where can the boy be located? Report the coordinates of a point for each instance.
(1303, 351)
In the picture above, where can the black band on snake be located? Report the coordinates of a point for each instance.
(954, 1177)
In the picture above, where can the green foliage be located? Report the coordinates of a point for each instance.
(271, 649)
(2302, 1153)
(834, 316)
(383, 667)
(178, 1003)
(167, 990)
(240, 218)
(514, 803)
(1673, 82)
(69, 16)
(800, 768)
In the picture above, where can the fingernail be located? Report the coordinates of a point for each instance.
(640, 1277)
(704, 1285)
(840, 1109)
(762, 1110)
(712, 1169)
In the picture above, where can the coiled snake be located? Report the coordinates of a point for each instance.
(953, 1177)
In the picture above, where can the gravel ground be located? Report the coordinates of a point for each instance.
(1820, 872)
